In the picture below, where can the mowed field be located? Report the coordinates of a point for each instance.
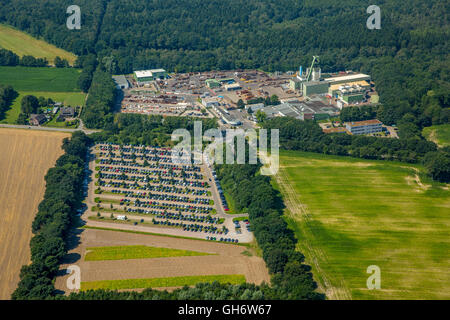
(125, 260)
(22, 44)
(349, 214)
(438, 134)
(25, 158)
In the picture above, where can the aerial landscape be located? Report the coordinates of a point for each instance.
(255, 150)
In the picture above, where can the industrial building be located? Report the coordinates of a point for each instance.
(233, 86)
(305, 110)
(121, 82)
(254, 107)
(212, 83)
(146, 76)
(210, 102)
(364, 127)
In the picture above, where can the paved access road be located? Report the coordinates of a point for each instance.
(17, 126)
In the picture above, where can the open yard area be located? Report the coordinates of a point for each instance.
(22, 44)
(438, 134)
(24, 160)
(349, 214)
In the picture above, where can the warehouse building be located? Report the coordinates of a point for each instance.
(212, 83)
(233, 87)
(121, 82)
(146, 76)
(364, 127)
(315, 88)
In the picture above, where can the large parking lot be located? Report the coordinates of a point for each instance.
(139, 188)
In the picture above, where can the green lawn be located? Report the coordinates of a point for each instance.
(68, 98)
(349, 214)
(161, 282)
(41, 79)
(136, 252)
(438, 134)
(23, 44)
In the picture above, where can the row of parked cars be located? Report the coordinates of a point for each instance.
(159, 188)
(172, 206)
(155, 172)
(222, 239)
(176, 216)
(172, 181)
(159, 165)
(221, 195)
(168, 197)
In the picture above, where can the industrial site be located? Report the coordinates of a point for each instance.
(241, 98)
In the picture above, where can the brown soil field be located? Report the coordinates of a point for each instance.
(25, 157)
(228, 259)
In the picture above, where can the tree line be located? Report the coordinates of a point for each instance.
(62, 199)
(7, 96)
(10, 59)
(308, 136)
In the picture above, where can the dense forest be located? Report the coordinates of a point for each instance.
(408, 58)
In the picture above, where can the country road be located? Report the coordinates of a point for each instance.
(17, 126)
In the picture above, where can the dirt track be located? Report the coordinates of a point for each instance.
(25, 158)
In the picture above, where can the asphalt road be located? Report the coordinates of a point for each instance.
(17, 126)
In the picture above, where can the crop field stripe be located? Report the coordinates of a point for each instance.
(351, 213)
(160, 282)
(40, 79)
(136, 252)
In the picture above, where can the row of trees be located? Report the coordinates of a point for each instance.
(62, 198)
(101, 101)
(153, 130)
(7, 96)
(9, 58)
(308, 136)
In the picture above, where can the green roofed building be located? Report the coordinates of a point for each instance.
(315, 87)
(145, 76)
(212, 83)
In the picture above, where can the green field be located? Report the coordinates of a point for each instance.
(161, 282)
(41, 79)
(136, 252)
(68, 98)
(349, 214)
(438, 134)
(23, 44)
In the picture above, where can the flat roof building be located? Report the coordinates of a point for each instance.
(364, 127)
(145, 76)
(121, 82)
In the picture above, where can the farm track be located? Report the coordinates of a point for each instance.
(25, 158)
